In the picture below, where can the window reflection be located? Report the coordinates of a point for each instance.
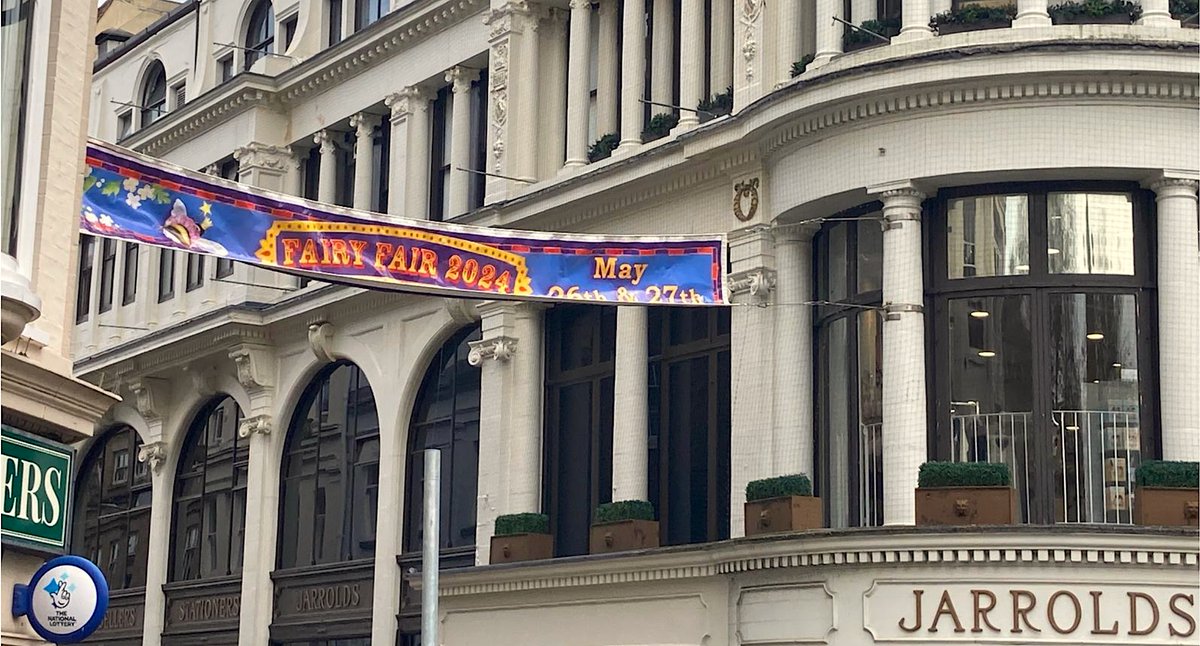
(988, 235)
(111, 521)
(1090, 233)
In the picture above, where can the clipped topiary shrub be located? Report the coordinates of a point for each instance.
(801, 65)
(1092, 11)
(1186, 11)
(603, 147)
(612, 512)
(963, 474)
(660, 126)
(974, 15)
(854, 39)
(1169, 475)
(527, 523)
(778, 487)
(719, 105)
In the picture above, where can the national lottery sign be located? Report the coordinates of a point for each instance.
(130, 197)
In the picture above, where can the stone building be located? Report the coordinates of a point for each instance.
(976, 246)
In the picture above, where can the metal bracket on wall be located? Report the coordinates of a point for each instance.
(894, 310)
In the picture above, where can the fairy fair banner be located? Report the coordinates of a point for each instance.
(131, 197)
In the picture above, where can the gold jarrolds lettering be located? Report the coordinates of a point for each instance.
(328, 597)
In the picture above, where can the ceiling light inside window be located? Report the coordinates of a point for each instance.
(1116, 365)
(1095, 336)
(987, 354)
(980, 314)
(1022, 268)
(1052, 251)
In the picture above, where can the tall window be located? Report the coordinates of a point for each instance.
(154, 94)
(260, 32)
(166, 275)
(689, 401)
(83, 290)
(108, 270)
(111, 523)
(446, 417)
(16, 22)
(439, 157)
(195, 272)
(381, 145)
(479, 121)
(335, 21)
(331, 472)
(345, 167)
(581, 343)
(210, 496)
(368, 11)
(130, 274)
(849, 397)
(1046, 363)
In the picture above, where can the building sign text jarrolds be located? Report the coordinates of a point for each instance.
(36, 474)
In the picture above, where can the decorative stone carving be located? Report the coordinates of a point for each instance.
(1173, 186)
(461, 78)
(498, 78)
(153, 454)
(260, 424)
(500, 348)
(751, 13)
(255, 367)
(256, 155)
(363, 124)
(758, 284)
(745, 199)
(406, 101)
(320, 340)
(461, 310)
(150, 396)
(325, 142)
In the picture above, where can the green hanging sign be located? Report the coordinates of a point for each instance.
(37, 484)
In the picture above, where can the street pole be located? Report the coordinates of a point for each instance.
(429, 548)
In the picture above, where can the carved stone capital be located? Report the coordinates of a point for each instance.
(153, 454)
(461, 78)
(800, 232)
(262, 156)
(757, 284)
(260, 424)
(325, 142)
(255, 366)
(514, 17)
(151, 396)
(407, 101)
(364, 124)
(320, 340)
(1174, 187)
(500, 348)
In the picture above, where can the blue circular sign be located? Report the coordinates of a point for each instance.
(68, 597)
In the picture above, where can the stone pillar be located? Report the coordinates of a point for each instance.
(750, 37)
(510, 415)
(400, 104)
(691, 61)
(608, 70)
(460, 139)
(1157, 13)
(662, 56)
(158, 555)
(914, 20)
(294, 183)
(788, 44)
(862, 11)
(752, 327)
(578, 94)
(1178, 310)
(512, 108)
(829, 31)
(633, 67)
(416, 157)
(792, 421)
(1032, 13)
(364, 152)
(327, 184)
(720, 73)
(553, 139)
(631, 419)
(905, 420)
(263, 166)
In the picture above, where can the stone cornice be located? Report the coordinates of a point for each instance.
(1040, 547)
(30, 388)
(201, 114)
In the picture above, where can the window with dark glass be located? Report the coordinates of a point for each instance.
(329, 496)
(130, 274)
(848, 332)
(335, 21)
(345, 168)
(179, 95)
(289, 31)
(1047, 364)
(689, 403)
(446, 417)
(83, 289)
(381, 145)
(111, 516)
(225, 68)
(166, 275)
(124, 124)
(580, 349)
(209, 509)
(154, 94)
(368, 11)
(479, 121)
(260, 32)
(16, 24)
(108, 270)
(195, 272)
(439, 154)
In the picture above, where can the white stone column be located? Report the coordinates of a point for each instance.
(262, 501)
(1157, 13)
(788, 44)
(416, 158)
(553, 104)
(662, 56)
(631, 419)
(162, 471)
(400, 104)
(862, 11)
(691, 61)
(1032, 13)
(327, 183)
(1178, 311)
(905, 421)
(792, 420)
(720, 73)
(393, 440)
(294, 182)
(633, 67)
(914, 20)
(512, 109)
(829, 32)
(460, 79)
(509, 354)
(578, 94)
(608, 70)
(364, 152)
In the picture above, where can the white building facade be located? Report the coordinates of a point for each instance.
(978, 246)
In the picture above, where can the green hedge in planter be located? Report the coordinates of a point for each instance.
(660, 126)
(1185, 10)
(1091, 9)
(603, 147)
(801, 65)
(887, 27)
(1169, 475)
(717, 106)
(963, 474)
(973, 14)
(611, 512)
(778, 487)
(510, 524)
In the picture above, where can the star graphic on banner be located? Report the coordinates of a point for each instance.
(206, 208)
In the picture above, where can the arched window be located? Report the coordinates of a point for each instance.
(112, 509)
(154, 94)
(331, 472)
(210, 496)
(260, 32)
(446, 417)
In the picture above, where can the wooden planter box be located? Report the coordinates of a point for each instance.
(958, 27)
(786, 514)
(623, 535)
(1167, 507)
(1111, 19)
(521, 547)
(966, 506)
